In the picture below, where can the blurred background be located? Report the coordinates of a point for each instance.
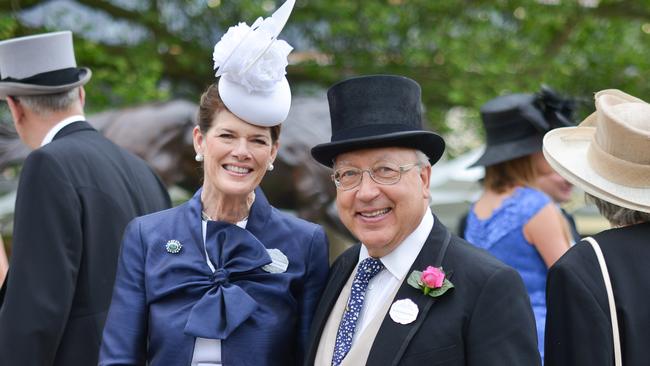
(151, 59)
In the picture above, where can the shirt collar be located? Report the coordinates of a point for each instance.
(399, 261)
(59, 126)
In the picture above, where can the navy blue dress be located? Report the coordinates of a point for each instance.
(502, 235)
(166, 295)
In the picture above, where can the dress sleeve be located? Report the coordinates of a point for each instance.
(578, 330)
(502, 326)
(125, 333)
(45, 260)
(315, 278)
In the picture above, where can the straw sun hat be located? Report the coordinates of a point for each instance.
(608, 154)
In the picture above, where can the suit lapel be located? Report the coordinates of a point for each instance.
(259, 214)
(393, 338)
(339, 274)
(194, 224)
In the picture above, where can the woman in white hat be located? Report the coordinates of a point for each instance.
(513, 220)
(595, 319)
(224, 278)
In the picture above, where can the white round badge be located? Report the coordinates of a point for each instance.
(404, 311)
(279, 261)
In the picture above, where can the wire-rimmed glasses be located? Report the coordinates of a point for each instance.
(347, 178)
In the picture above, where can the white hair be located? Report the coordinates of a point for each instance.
(617, 215)
(422, 159)
(48, 103)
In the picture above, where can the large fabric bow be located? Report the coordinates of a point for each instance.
(234, 252)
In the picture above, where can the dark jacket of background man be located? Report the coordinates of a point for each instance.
(75, 196)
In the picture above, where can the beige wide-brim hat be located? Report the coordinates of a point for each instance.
(608, 154)
(39, 64)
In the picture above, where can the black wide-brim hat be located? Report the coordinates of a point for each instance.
(515, 124)
(373, 112)
(40, 64)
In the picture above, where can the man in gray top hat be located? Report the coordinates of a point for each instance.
(410, 293)
(77, 192)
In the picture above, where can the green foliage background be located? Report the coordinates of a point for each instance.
(463, 53)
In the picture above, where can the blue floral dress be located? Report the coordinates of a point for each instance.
(502, 235)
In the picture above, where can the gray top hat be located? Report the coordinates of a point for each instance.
(39, 64)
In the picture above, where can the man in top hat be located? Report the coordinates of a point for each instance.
(411, 292)
(77, 192)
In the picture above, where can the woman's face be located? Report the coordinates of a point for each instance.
(550, 182)
(236, 154)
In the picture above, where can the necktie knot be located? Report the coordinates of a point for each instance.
(368, 268)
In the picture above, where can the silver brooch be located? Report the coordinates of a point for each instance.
(173, 246)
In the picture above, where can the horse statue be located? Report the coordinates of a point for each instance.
(161, 134)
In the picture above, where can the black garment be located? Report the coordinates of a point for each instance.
(485, 320)
(572, 225)
(462, 225)
(578, 325)
(75, 197)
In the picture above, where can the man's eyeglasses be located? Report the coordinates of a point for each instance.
(347, 178)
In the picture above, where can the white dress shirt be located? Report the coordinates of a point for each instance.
(397, 264)
(207, 352)
(59, 126)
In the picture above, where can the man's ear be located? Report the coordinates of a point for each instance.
(82, 96)
(425, 175)
(16, 109)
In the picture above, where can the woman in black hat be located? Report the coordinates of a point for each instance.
(515, 222)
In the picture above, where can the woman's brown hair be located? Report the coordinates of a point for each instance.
(211, 104)
(503, 176)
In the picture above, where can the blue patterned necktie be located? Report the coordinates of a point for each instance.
(368, 268)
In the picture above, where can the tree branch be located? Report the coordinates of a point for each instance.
(14, 6)
(623, 9)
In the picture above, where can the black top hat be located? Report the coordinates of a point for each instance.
(515, 124)
(376, 111)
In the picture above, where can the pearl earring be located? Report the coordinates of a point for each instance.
(199, 157)
(270, 167)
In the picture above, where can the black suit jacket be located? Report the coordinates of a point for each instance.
(578, 325)
(485, 320)
(75, 197)
(572, 225)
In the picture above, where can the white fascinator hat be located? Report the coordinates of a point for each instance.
(251, 63)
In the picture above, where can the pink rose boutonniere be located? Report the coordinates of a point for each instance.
(432, 281)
